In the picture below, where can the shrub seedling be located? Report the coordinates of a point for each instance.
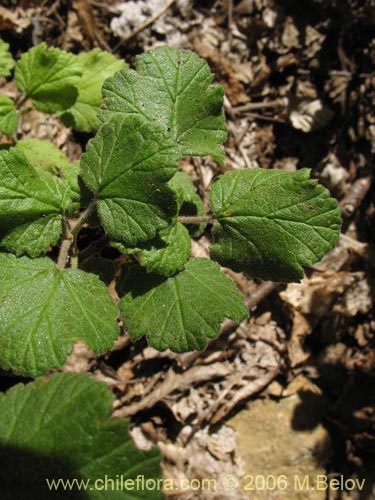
(267, 223)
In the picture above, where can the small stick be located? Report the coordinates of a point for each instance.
(244, 156)
(230, 21)
(352, 201)
(256, 116)
(252, 106)
(145, 25)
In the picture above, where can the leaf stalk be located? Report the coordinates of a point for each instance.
(187, 219)
(70, 238)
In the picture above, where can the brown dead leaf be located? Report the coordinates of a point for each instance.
(301, 383)
(125, 372)
(290, 36)
(316, 295)
(347, 250)
(286, 60)
(234, 89)
(253, 28)
(86, 17)
(313, 41)
(357, 299)
(73, 30)
(81, 359)
(302, 327)
(323, 294)
(336, 87)
(261, 73)
(17, 19)
(309, 115)
(333, 175)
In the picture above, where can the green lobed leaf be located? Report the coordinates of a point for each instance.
(32, 203)
(44, 310)
(180, 312)
(173, 88)
(50, 77)
(169, 253)
(43, 155)
(166, 254)
(98, 65)
(6, 60)
(60, 428)
(33, 237)
(8, 116)
(272, 222)
(46, 156)
(127, 166)
(188, 201)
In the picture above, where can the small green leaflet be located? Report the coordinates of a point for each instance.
(173, 88)
(166, 254)
(46, 156)
(6, 60)
(272, 222)
(188, 201)
(127, 166)
(33, 237)
(32, 203)
(43, 311)
(169, 253)
(43, 155)
(50, 77)
(8, 116)
(180, 312)
(98, 65)
(61, 427)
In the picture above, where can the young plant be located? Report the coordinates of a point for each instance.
(57, 82)
(267, 223)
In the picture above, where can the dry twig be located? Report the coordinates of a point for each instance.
(144, 25)
(172, 382)
(353, 200)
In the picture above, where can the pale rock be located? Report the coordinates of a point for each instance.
(283, 439)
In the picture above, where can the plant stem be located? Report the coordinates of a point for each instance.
(70, 238)
(82, 218)
(74, 262)
(187, 219)
(18, 104)
(64, 253)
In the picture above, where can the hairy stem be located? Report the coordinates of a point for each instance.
(82, 218)
(64, 253)
(70, 238)
(195, 219)
(21, 101)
